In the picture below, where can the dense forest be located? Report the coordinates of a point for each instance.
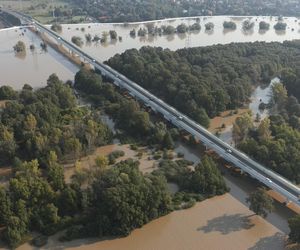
(35, 122)
(143, 10)
(276, 141)
(132, 120)
(42, 129)
(201, 82)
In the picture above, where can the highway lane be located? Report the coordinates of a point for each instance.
(261, 173)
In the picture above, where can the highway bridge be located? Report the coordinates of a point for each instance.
(271, 179)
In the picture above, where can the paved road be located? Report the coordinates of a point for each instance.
(256, 170)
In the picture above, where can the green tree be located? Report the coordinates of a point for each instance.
(15, 231)
(127, 199)
(241, 127)
(279, 95)
(260, 202)
(7, 93)
(264, 25)
(101, 162)
(8, 145)
(182, 28)
(294, 224)
(113, 34)
(263, 130)
(207, 178)
(55, 172)
(20, 47)
(168, 142)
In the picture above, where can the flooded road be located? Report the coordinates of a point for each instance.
(219, 35)
(32, 67)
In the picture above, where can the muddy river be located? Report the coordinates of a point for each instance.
(35, 67)
(222, 222)
(219, 35)
(32, 67)
(218, 223)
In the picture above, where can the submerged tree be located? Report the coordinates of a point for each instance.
(20, 47)
(260, 202)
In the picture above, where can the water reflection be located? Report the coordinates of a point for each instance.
(226, 31)
(262, 31)
(219, 35)
(21, 55)
(248, 32)
(32, 67)
(36, 67)
(209, 32)
(181, 36)
(170, 37)
(280, 32)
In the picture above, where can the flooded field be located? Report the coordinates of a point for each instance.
(35, 67)
(223, 124)
(217, 223)
(219, 35)
(32, 67)
(222, 222)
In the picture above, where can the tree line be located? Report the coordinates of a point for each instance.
(42, 128)
(202, 82)
(34, 122)
(131, 11)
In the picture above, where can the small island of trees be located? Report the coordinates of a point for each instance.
(280, 26)
(248, 25)
(77, 40)
(229, 25)
(264, 25)
(56, 27)
(20, 47)
(209, 26)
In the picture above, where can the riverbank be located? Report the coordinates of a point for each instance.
(217, 223)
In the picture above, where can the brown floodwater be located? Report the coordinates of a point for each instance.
(35, 67)
(222, 222)
(32, 67)
(218, 223)
(194, 39)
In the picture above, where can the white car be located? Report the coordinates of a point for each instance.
(180, 117)
(269, 180)
(228, 150)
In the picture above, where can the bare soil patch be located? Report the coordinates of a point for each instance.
(143, 155)
(227, 118)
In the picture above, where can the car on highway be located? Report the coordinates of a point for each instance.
(180, 117)
(228, 150)
(270, 181)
